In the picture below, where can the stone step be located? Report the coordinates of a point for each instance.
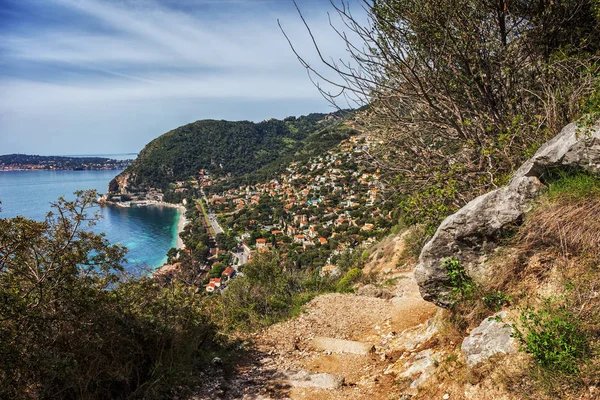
(304, 379)
(332, 345)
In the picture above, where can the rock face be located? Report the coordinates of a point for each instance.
(490, 338)
(119, 184)
(472, 231)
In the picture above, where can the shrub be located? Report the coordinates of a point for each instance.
(553, 337)
(495, 299)
(414, 240)
(349, 260)
(462, 285)
(262, 296)
(346, 282)
(268, 293)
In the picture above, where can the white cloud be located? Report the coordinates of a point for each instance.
(149, 55)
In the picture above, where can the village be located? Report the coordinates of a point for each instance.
(311, 214)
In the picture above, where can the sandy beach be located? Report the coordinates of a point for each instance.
(180, 225)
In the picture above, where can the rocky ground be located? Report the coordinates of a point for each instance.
(342, 346)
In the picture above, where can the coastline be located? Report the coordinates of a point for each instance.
(181, 220)
(167, 269)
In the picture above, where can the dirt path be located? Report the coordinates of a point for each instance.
(283, 364)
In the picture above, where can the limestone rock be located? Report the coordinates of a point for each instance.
(374, 291)
(490, 338)
(340, 346)
(573, 146)
(420, 368)
(471, 232)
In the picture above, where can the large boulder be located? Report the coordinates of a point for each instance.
(472, 232)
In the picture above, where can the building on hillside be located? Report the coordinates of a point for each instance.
(210, 287)
(367, 227)
(261, 243)
(229, 273)
(328, 270)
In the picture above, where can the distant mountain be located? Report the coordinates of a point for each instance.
(10, 162)
(223, 148)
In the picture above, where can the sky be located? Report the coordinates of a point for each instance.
(108, 76)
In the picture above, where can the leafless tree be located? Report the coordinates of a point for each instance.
(459, 92)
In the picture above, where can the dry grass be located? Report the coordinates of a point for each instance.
(572, 227)
(414, 239)
(558, 255)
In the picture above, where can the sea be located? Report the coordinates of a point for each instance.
(148, 232)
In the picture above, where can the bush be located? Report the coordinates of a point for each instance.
(553, 337)
(496, 299)
(414, 240)
(73, 326)
(349, 260)
(268, 293)
(462, 285)
(345, 284)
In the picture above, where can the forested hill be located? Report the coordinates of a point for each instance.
(220, 148)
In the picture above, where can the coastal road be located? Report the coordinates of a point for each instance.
(212, 218)
(209, 215)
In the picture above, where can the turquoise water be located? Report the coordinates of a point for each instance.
(148, 232)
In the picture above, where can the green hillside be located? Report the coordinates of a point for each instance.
(223, 147)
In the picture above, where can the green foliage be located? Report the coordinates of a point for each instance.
(591, 105)
(431, 205)
(462, 285)
(348, 260)
(345, 284)
(553, 336)
(315, 143)
(73, 326)
(263, 295)
(172, 255)
(495, 300)
(216, 270)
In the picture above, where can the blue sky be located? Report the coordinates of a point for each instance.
(107, 76)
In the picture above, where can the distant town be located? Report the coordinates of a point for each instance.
(311, 213)
(24, 162)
